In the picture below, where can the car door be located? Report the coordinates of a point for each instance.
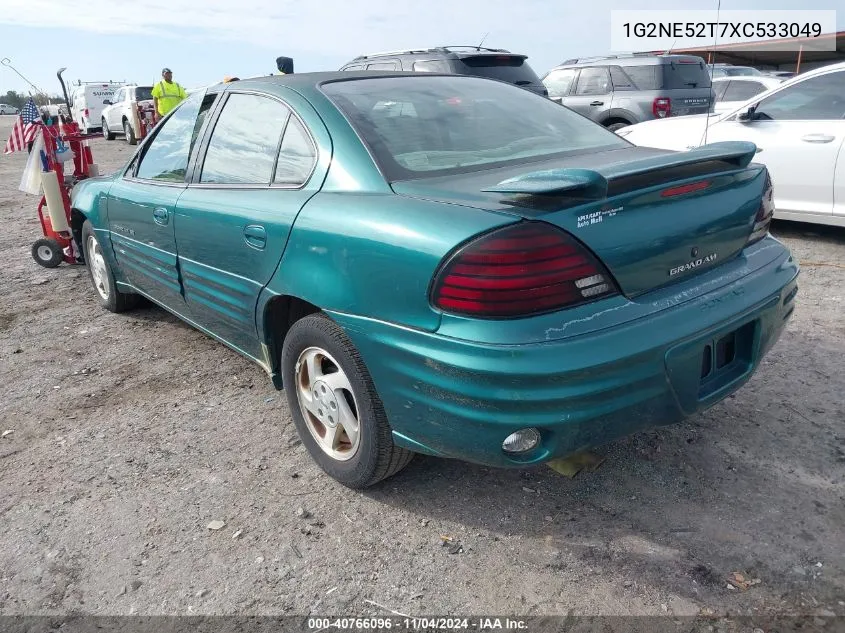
(233, 221)
(142, 203)
(592, 95)
(799, 131)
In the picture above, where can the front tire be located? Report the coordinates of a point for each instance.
(108, 135)
(129, 133)
(335, 408)
(101, 275)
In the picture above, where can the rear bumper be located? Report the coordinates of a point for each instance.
(460, 399)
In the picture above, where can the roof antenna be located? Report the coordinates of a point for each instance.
(712, 67)
(482, 41)
(671, 47)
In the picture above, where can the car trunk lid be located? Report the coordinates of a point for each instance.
(653, 217)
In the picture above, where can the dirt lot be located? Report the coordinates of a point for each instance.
(132, 432)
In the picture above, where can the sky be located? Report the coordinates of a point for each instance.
(203, 41)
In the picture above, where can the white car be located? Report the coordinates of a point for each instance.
(799, 129)
(731, 92)
(117, 115)
(5, 108)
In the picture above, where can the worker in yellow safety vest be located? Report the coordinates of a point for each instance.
(167, 94)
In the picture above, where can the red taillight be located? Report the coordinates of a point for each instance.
(85, 112)
(518, 271)
(764, 214)
(682, 189)
(661, 107)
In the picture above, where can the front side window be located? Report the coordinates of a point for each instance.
(559, 82)
(593, 81)
(166, 157)
(242, 149)
(421, 125)
(819, 98)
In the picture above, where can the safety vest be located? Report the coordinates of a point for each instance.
(169, 96)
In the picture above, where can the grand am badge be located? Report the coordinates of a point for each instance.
(691, 265)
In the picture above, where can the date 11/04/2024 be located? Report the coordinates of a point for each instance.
(724, 30)
(402, 623)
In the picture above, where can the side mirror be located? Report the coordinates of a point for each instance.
(748, 115)
(106, 102)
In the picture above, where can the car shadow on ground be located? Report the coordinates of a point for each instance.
(819, 232)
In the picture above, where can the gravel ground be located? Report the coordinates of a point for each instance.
(131, 433)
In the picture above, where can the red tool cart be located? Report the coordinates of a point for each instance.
(54, 210)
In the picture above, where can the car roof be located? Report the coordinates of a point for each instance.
(633, 59)
(299, 81)
(450, 52)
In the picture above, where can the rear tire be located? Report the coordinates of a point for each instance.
(47, 252)
(617, 126)
(109, 136)
(101, 275)
(129, 133)
(315, 348)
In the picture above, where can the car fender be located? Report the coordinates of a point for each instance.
(89, 201)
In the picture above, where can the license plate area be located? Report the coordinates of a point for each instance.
(725, 359)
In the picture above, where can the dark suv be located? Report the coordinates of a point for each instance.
(495, 63)
(625, 89)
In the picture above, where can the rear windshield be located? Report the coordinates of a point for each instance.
(143, 93)
(510, 68)
(685, 75)
(420, 126)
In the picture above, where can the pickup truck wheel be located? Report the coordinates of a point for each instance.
(617, 126)
(109, 136)
(101, 275)
(129, 133)
(335, 408)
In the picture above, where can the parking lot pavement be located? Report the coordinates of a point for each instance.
(131, 433)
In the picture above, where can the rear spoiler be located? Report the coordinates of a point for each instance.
(592, 184)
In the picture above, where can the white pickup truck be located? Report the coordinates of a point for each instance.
(118, 113)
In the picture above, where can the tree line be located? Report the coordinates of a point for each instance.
(19, 99)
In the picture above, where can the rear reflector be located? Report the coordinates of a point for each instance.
(521, 270)
(682, 189)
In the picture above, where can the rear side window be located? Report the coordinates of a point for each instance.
(743, 90)
(620, 80)
(242, 149)
(296, 157)
(355, 67)
(143, 93)
(510, 68)
(431, 66)
(685, 75)
(645, 77)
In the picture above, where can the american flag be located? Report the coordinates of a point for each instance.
(24, 129)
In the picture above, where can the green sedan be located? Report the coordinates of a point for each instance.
(443, 264)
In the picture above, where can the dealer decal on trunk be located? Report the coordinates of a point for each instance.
(695, 263)
(597, 216)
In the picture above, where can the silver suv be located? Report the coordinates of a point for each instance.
(622, 90)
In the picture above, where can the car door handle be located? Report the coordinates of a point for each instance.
(255, 236)
(596, 103)
(160, 216)
(817, 138)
